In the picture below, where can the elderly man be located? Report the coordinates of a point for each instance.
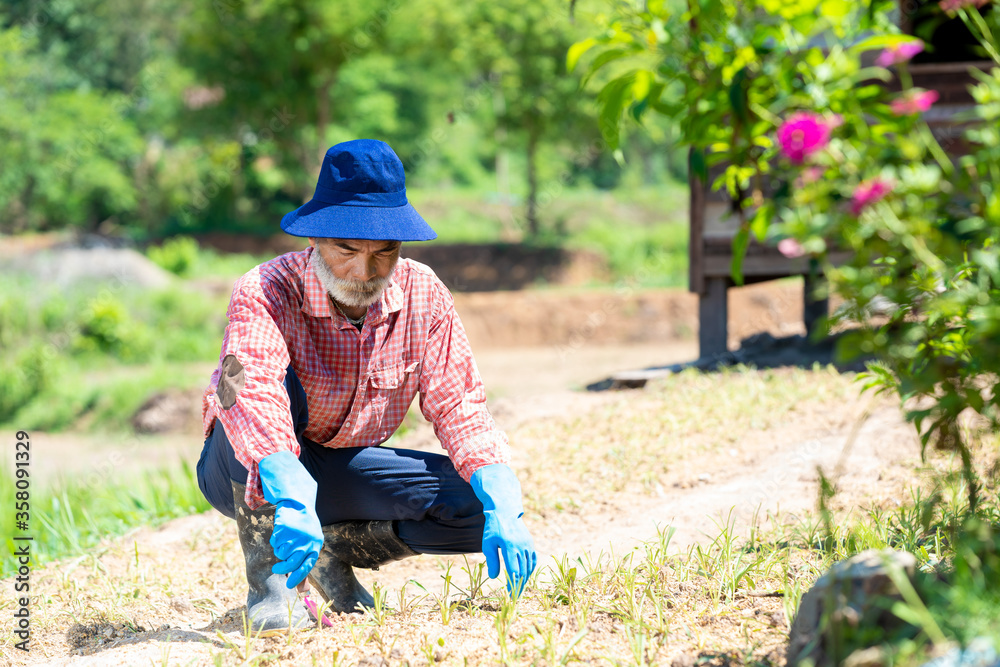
(324, 352)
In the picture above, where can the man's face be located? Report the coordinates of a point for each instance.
(355, 271)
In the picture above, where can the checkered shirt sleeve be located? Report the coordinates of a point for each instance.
(259, 423)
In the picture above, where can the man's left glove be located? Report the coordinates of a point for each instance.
(297, 537)
(497, 488)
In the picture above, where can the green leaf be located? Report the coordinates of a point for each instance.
(738, 95)
(603, 59)
(834, 9)
(761, 220)
(879, 42)
(696, 163)
(789, 9)
(642, 84)
(740, 243)
(613, 99)
(653, 94)
(577, 50)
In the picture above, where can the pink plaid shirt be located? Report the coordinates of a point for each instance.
(359, 385)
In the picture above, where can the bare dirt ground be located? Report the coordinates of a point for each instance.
(173, 595)
(601, 472)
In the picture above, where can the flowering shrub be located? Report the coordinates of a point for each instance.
(924, 278)
(869, 192)
(778, 90)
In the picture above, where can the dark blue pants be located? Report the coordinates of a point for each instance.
(435, 509)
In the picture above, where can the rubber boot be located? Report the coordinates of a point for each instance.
(272, 608)
(366, 544)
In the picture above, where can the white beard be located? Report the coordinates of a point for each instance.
(350, 293)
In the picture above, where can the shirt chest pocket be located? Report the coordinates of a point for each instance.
(392, 377)
(391, 391)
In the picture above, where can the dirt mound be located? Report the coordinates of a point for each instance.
(507, 266)
(169, 411)
(569, 320)
(463, 267)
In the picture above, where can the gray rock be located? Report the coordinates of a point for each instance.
(66, 267)
(684, 660)
(853, 593)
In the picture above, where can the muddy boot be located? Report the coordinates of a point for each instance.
(272, 608)
(366, 544)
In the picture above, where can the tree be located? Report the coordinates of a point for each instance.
(520, 47)
(67, 151)
(277, 63)
(103, 43)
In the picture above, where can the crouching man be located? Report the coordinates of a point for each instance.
(324, 352)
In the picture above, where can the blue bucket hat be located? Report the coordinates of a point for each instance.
(360, 194)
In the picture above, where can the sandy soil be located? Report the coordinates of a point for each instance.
(187, 574)
(182, 583)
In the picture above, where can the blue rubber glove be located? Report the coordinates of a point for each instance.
(297, 537)
(497, 488)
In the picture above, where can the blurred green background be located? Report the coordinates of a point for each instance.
(147, 119)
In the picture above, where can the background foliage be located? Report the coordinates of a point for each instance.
(148, 119)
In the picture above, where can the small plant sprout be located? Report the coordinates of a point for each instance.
(379, 610)
(564, 581)
(477, 578)
(427, 648)
(444, 603)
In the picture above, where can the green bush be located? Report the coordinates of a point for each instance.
(24, 377)
(107, 327)
(14, 317)
(179, 255)
(967, 602)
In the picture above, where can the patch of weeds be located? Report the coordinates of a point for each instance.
(75, 516)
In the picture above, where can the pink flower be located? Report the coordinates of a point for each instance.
(899, 53)
(954, 5)
(790, 248)
(913, 101)
(802, 134)
(868, 192)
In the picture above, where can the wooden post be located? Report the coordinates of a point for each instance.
(713, 312)
(696, 217)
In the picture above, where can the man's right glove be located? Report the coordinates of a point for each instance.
(497, 488)
(297, 537)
